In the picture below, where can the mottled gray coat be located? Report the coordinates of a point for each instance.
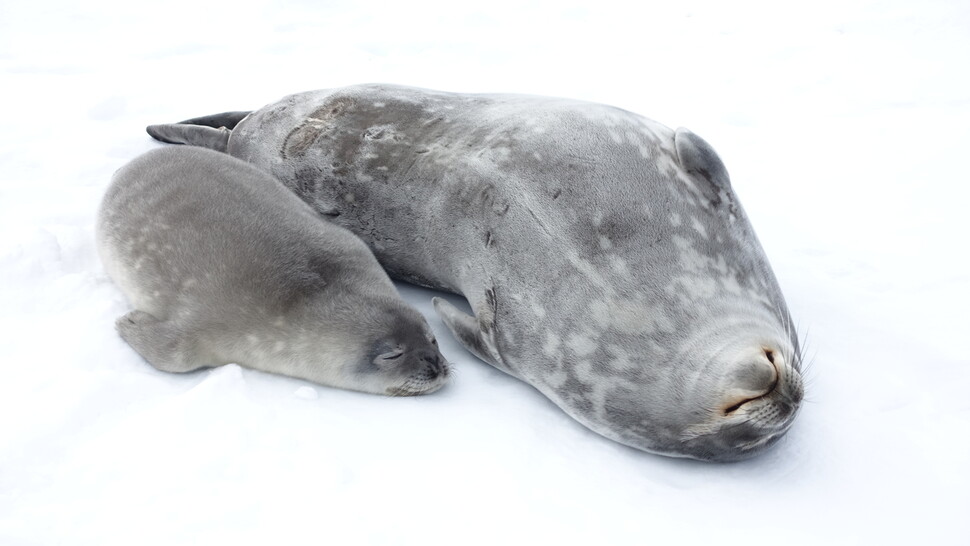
(606, 258)
(222, 264)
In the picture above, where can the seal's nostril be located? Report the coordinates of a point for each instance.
(776, 364)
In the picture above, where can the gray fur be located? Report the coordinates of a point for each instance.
(606, 257)
(223, 264)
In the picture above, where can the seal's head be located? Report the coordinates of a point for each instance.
(743, 372)
(693, 354)
(400, 355)
(407, 357)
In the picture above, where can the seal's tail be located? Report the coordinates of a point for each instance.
(207, 131)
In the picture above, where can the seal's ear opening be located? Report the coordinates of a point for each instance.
(700, 160)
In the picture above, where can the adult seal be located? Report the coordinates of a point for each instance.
(223, 264)
(606, 258)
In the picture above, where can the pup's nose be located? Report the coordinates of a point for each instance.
(436, 364)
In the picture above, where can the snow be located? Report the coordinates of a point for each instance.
(845, 126)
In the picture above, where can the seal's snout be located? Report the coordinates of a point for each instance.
(755, 378)
(436, 366)
(758, 397)
(428, 372)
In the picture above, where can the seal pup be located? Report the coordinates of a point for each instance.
(606, 257)
(223, 264)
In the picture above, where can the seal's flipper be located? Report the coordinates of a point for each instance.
(225, 119)
(476, 335)
(210, 131)
(156, 341)
(193, 135)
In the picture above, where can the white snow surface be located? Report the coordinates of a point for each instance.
(845, 126)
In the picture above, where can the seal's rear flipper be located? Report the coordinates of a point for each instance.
(207, 131)
(225, 119)
(476, 336)
(193, 135)
(159, 342)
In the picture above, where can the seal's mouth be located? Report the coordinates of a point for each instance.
(732, 409)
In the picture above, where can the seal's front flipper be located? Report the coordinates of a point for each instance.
(193, 135)
(476, 335)
(156, 341)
